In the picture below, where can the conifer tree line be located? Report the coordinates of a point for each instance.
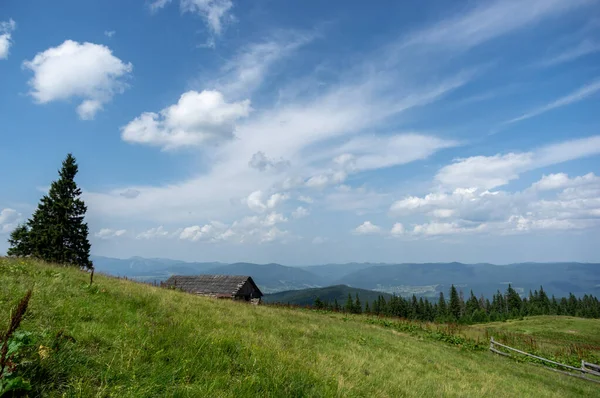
(503, 306)
(56, 232)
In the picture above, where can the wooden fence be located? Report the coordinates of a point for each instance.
(585, 369)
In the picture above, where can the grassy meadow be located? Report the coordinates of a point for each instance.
(120, 338)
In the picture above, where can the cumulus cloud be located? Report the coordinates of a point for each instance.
(107, 233)
(367, 228)
(555, 202)
(273, 218)
(305, 199)
(85, 71)
(197, 118)
(397, 229)
(321, 181)
(257, 203)
(9, 220)
(487, 172)
(6, 29)
(261, 162)
(157, 232)
(253, 229)
(300, 212)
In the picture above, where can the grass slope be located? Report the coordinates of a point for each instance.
(553, 335)
(133, 340)
(327, 294)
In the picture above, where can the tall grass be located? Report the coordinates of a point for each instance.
(118, 338)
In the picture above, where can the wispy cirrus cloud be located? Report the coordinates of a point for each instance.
(583, 48)
(488, 21)
(580, 94)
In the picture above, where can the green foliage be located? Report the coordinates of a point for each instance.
(454, 310)
(56, 232)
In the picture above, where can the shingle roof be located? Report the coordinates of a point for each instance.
(210, 284)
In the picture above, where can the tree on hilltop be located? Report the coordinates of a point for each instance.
(56, 232)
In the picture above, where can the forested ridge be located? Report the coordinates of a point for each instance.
(473, 309)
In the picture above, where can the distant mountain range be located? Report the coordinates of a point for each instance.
(425, 280)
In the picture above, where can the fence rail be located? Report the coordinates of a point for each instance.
(586, 367)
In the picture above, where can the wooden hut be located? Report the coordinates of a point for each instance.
(235, 287)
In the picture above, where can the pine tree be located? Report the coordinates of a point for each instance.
(454, 309)
(357, 305)
(367, 308)
(56, 232)
(349, 307)
(442, 311)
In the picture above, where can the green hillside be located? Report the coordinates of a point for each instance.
(327, 294)
(125, 339)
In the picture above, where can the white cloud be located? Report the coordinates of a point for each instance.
(300, 212)
(489, 21)
(9, 220)
(246, 71)
(576, 96)
(210, 231)
(435, 229)
(6, 29)
(486, 172)
(109, 33)
(555, 202)
(156, 232)
(247, 230)
(256, 202)
(367, 228)
(376, 152)
(85, 71)
(261, 162)
(582, 49)
(321, 181)
(107, 233)
(273, 235)
(214, 12)
(397, 229)
(273, 218)
(196, 119)
(305, 199)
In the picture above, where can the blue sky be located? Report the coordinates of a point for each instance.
(309, 132)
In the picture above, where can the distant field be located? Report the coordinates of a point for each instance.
(126, 339)
(556, 335)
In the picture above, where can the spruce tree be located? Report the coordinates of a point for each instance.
(349, 307)
(442, 311)
(454, 309)
(56, 232)
(357, 305)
